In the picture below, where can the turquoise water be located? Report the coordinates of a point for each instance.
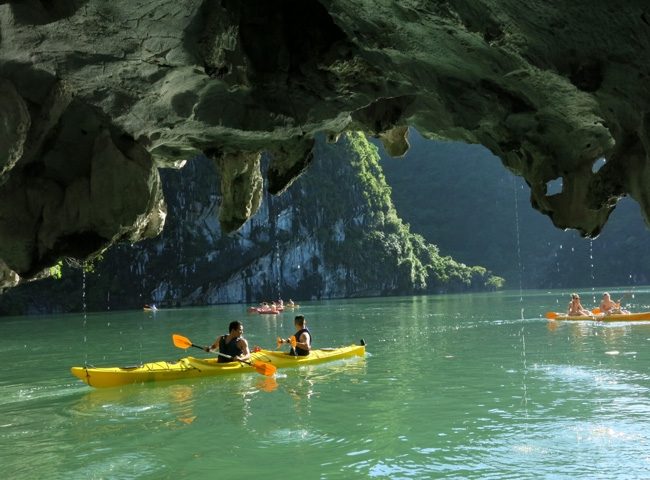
(453, 386)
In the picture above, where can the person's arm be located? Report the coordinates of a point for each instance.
(243, 346)
(214, 346)
(303, 342)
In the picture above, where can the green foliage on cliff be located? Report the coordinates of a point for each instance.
(334, 233)
(379, 248)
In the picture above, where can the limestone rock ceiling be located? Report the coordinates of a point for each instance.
(95, 96)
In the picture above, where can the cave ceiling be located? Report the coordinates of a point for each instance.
(96, 96)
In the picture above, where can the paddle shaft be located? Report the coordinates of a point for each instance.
(224, 355)
(619, 300)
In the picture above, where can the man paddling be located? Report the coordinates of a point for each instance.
(233, 344)
(607, 306)
(302, 336)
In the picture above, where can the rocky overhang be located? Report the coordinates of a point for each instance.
(96, 96)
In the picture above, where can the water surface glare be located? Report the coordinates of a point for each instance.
(453, 386)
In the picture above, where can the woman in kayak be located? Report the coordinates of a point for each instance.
(575, 307)
(233, 344)
(607, 306)
(303, 338)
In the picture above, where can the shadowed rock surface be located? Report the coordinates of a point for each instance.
(96, 96)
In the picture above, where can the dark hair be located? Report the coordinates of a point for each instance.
(235, 325)
(300, 320)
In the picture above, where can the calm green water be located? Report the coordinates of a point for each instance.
(472, 386)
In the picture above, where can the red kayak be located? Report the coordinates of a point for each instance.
(264, 311)
(267, 311)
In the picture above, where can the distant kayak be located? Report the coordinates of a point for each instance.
(614, 317)
(191, 367)
(264, 311)
(292, 306)
(267, 311)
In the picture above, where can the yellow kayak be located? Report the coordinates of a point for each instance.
(191, 367)
(600, 317)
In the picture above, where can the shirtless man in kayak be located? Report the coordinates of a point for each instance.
(608, 306)
(575, 307)
(233, 344)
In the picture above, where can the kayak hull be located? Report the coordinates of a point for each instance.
(264, 311)
(614, 317)
(191, 367)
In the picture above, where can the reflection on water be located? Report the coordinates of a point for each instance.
(268, 384)
(451, 387)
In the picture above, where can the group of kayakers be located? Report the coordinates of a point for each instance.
(279, 305)
(607, 306)
(235, 346)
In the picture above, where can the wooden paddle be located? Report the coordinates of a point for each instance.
(261, 367)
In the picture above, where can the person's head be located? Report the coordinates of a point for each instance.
(575, 296)
(236, 326)
(299, 321)
(606, 296)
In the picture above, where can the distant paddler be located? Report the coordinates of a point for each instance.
(607, 306)
(575, 307)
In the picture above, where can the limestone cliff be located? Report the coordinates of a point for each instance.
(333, 234)
(95, 96)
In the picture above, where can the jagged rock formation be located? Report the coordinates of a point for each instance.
(95, 96)
(314, 242)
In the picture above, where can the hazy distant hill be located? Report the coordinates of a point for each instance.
(462, 199)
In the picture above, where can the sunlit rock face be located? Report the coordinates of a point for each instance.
(95, 96)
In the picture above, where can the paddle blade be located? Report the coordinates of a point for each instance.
(279, 342)
(551, 315)
(181, 341)
(265, 368)
(293, 341)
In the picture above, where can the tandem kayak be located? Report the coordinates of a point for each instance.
(268, 311)
(613, 317)
(265, 311)
(191, 367)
